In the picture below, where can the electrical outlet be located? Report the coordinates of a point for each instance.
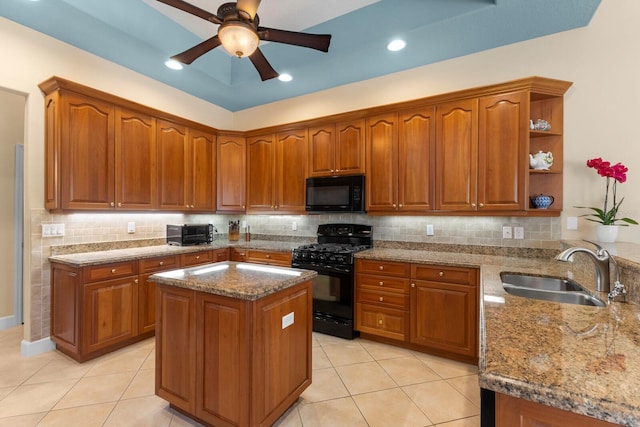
(244, 224)
(52, 230)
(429, 230)
(518, 232)
(294, 226)
(572, 223)
(507, 232)
(131, 227)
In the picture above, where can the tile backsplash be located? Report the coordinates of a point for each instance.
(83, 228)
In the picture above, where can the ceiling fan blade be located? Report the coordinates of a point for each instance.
(193, 10)
(313, 41)
(248, 8)
(265, 69)
(190, 55)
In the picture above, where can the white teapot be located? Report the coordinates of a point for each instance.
(541, 160)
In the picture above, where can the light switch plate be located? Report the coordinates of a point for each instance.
(287, 320)
(507, 232)
(572, 223)
(131, 227)
(518, 232)
(429, 230)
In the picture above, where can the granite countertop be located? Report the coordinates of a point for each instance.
(238, 280)
(85, 259)
(577, 358)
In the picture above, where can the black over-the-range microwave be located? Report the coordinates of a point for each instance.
(335, 194)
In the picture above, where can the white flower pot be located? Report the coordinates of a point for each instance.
(607, 233)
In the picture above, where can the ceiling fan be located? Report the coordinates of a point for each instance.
(240, 33)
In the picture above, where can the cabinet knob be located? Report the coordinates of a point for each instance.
(192, 206)
(119, 204)
(473, 205)
(381, 283)
(400, 206)
(380, 322)
(186, 206)
(161, 263)
(268, 256)
(413, 285)
(242, 206)
(381, 299)
(197, 256)
(481, 205)
(394, 205)
(112, 204)
(136, 281)
(381, 268)
(441, 273)
(113, 270)
(332, 170)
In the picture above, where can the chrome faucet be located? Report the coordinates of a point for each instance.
(601, 260)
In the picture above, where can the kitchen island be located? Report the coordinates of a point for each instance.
(233, 341)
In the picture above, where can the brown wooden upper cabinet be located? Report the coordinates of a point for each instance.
(232, 167)
(337, 149)
(399, 159)
(481, 153)
(276, 172)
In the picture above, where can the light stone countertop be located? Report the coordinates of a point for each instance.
(86, 259)
(238, 280)
(577, 358)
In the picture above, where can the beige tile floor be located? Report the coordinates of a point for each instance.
(355, 383)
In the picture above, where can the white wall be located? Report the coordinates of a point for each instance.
(601, 108)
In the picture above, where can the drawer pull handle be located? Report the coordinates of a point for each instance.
(161, 263)
(381, 299)
(113, 270)
(268, 256)
(381, 267)
(441, 273)
(197, 256)
(381, 283)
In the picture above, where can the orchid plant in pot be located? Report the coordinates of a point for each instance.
(607, 216)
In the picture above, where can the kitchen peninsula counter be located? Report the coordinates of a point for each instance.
(581, 359)
(233, 341)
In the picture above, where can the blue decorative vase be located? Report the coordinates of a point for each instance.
(541, 201)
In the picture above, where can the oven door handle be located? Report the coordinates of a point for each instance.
(322, 269)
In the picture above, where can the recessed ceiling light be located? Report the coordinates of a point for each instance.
(173, 64)
(285, 77)
(395, 45)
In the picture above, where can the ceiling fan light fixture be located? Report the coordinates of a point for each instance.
(396, 45)
(173, 64)
(238, 38)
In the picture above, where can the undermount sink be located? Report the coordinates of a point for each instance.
(548, 288)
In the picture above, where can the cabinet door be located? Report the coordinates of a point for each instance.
(382, 163)
(444, 317)
(65, 303)
(223, 364)
(87, 163)
(457, 155)
(381, 321)
(231, 170)
(260, 174)
(136, 175)
(350, 148)
(146, 289)
(291, 171)
(172, 165)
(176, 358)
(202, 171)
(322, 153)
(110, 312)
(502, 152)
(416, 165)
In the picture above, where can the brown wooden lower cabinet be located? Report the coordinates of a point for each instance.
(427, 307)
(514, 412)
(101, 308)
(229, 362)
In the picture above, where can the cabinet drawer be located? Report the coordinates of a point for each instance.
(388, 284)
(387, 268)
(151, 265)
(238, 255)
(434, 273)
(110, 271)
(380, 321)
(398, 301)
(196, 258)
(269, 257)
(220, 255)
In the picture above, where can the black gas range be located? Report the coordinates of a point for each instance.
(333, 288)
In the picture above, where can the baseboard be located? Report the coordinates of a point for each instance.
(8, 322)
(33, 348)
